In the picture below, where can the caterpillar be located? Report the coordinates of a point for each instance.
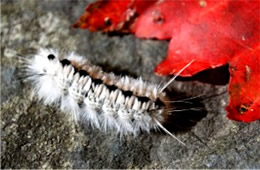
(106, 101)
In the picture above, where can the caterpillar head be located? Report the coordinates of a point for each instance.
(45, 62)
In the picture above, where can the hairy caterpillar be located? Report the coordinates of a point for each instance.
(106, 101)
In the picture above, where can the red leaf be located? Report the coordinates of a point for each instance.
(212, 33)
(165, 18)
(211, 37)
(244, 87)
(95, 15)
(111, 15)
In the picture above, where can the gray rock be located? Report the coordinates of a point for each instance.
(38, 136)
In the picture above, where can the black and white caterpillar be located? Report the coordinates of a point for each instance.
(106, 101)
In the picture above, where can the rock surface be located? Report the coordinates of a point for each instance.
(38, 136)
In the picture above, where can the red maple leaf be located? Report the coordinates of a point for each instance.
(111, 15)
(244, 86)
(212, 33)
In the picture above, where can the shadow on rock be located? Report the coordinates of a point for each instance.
(186, 112)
